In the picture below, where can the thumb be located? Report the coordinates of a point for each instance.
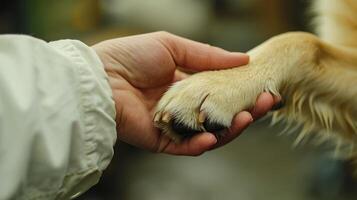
(198, 56)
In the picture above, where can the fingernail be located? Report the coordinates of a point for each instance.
(246, 114)
(213, 139)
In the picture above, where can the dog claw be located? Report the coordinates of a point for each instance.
(201, 117)
(166, 117)
(157, 117)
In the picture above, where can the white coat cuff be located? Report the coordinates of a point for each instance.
(97, 113)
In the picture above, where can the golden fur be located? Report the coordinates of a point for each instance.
(316, 76)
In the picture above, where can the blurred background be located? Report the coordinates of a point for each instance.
(260, 164)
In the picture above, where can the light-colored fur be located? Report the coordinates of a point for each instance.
(315, 76)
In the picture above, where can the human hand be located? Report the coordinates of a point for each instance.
(140, 70)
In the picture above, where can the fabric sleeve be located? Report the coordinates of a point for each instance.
(57, 127)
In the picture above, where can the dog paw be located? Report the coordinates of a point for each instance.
(207, 101)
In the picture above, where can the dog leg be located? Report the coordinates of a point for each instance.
(316, 81)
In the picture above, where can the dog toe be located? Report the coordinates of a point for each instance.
(213, 127)
(183, 130)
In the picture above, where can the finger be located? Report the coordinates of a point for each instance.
(194, 146)
(264, 104)
(198, 56)
(240, 122)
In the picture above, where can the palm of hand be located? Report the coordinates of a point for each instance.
(138, 83)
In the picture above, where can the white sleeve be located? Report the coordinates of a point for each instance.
(57, 127)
